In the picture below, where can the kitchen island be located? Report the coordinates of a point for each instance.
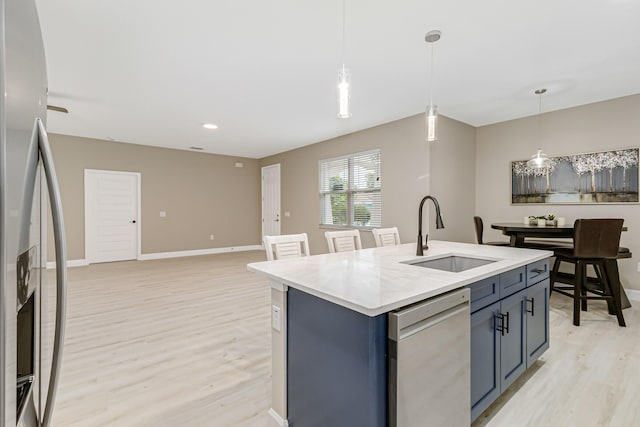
(332, 308)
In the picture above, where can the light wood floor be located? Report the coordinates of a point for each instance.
(185, 342)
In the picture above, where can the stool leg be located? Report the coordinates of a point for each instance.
(599, 268)
(613, 282)
(554, 273)
(577, 291)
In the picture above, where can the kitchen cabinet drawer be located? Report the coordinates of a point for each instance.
(484, 292)
(512, 282)
(537, 271)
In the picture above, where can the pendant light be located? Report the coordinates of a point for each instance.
(344, 77)
(539, 160)
(431, 116)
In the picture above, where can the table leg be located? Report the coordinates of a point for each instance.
(516, 240)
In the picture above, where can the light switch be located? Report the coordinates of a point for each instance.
(163, 214)
(276, 318)
(287, 214)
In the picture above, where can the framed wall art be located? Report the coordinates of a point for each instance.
(589, 178)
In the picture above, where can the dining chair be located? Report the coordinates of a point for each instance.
(343, 241)
(596, 242)
(386, 236)
(286, 246)
(480, 231)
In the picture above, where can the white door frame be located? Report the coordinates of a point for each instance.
(274, 166)
(138, 177)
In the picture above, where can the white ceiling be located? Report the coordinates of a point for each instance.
(153, 71)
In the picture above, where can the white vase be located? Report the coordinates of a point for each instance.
(561, 220)
(542, 222)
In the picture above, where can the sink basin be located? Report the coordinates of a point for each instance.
(452, 263)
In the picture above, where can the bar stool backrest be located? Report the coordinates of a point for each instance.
(286, 246)
(597, 238)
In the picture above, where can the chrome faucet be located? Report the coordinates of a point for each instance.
(439, 224)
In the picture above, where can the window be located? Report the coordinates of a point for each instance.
(350, 190)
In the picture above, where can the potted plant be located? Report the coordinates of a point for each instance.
(551, 220)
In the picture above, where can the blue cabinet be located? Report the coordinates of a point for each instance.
(336, 364)
(485, 358)
(512, 324)
(537, 320)
(509, 331)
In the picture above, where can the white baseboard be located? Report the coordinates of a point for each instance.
(633, 294)
(162, 255)
(278, 419)
(197, 252)
(70, 263)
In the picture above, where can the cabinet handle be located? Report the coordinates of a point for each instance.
(533, 305)
(504, 323)
(539, 270)
(507, 327)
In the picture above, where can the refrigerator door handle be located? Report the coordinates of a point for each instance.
(61, 268)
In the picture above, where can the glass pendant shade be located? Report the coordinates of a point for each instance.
(344, 93)
(431, 123)
(538, 160)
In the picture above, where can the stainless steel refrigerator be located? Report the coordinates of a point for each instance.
(32, 309)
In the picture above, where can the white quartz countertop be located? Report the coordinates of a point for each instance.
(377, 280)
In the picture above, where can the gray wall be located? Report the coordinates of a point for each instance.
(408, 174)
(202, 194)
(595, 127)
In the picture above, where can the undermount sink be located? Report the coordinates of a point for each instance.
(452, 263)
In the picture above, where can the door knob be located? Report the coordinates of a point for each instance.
(133, 222)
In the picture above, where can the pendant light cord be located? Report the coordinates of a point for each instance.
(540, 119)
(431, 78)
(344, 18)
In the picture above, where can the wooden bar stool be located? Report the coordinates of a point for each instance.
(595, 243)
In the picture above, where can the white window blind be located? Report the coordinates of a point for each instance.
(350, 190)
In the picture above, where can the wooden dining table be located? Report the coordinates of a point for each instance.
(519, 232)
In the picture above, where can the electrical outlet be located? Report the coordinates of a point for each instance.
(276, 318)
(211, 237)
(639, 267)
(163, 214)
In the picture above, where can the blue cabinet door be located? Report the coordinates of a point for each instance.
(537, 305)
(485, 347)
(513, 361)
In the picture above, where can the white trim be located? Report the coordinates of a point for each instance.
(138, 176)
(197, 252)
(278, 419)
(633, 294)
(70, 263)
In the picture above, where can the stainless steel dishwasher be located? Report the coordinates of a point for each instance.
(429, 362)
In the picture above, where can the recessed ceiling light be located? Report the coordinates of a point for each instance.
(196, 148)
(210, 126)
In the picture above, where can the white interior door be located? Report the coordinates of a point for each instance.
(271, 200)
(112, 220)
